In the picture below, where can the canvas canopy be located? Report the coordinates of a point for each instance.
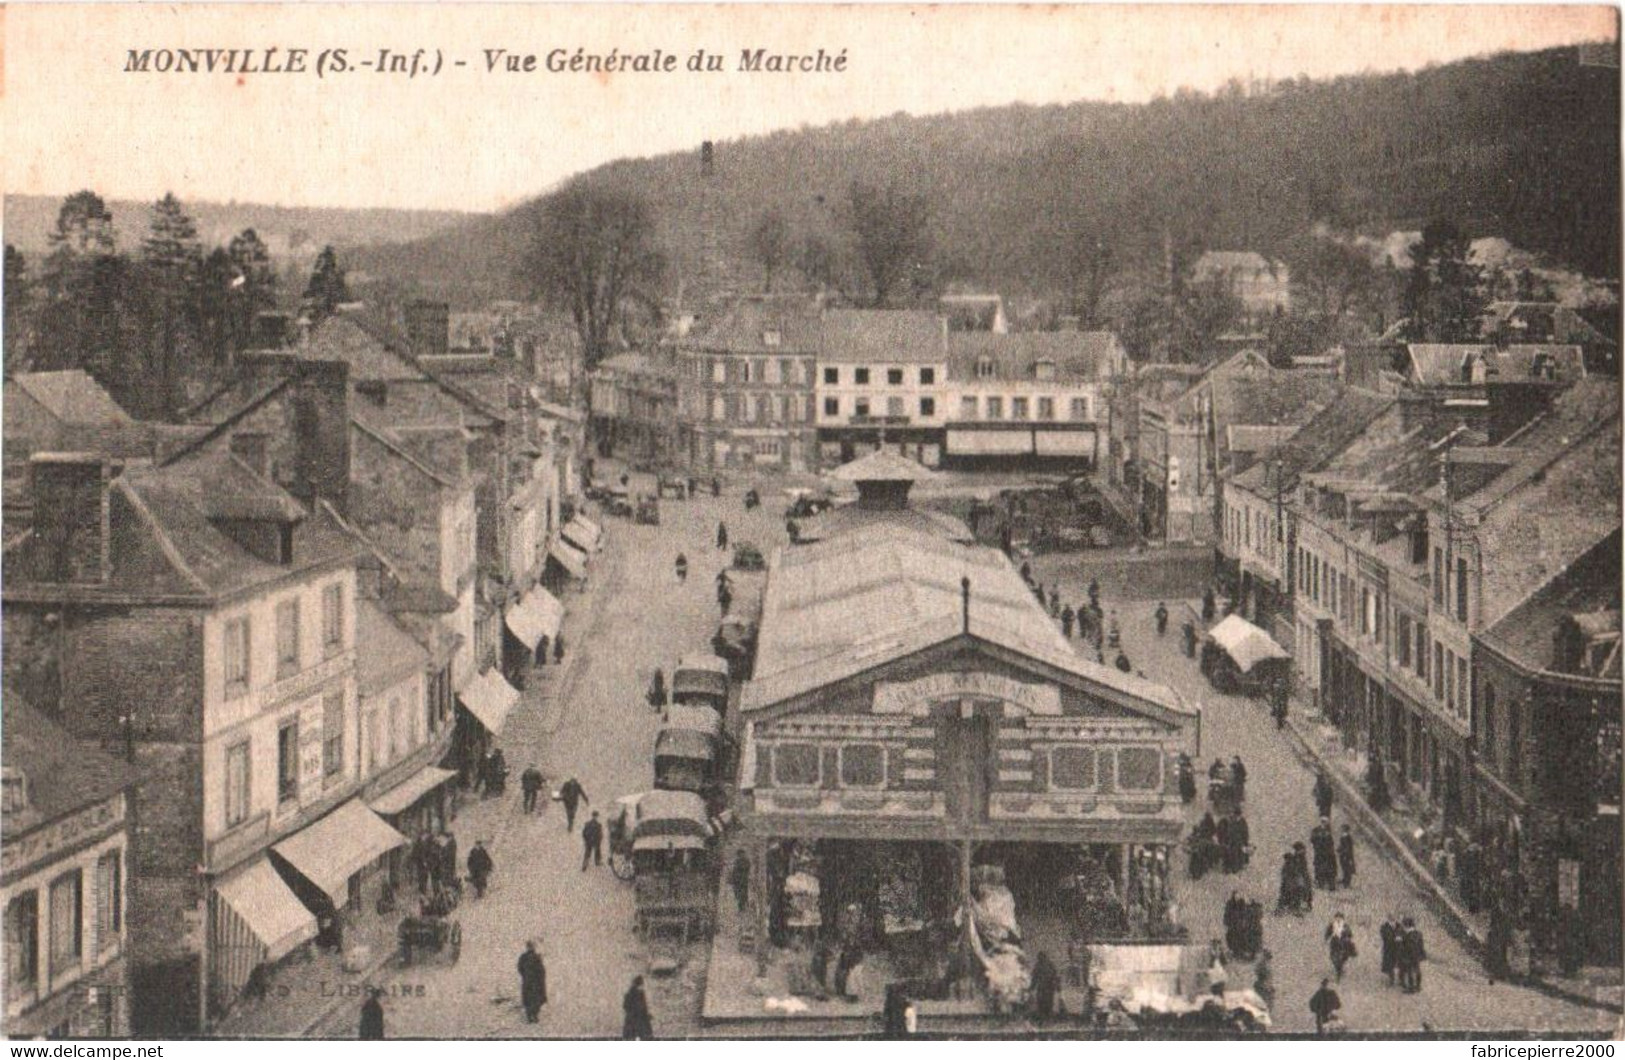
(1245, 643)
(278, 919)
(338, 846)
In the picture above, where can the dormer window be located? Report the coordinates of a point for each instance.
(984, 368)
(1044, 370)
(770, 338)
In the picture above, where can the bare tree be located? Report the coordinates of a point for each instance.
(893, 241)
(591, 249)
(770, 245)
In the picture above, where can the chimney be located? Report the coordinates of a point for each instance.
(272, 330)
(428, 328)
(320, 411)
(71, 522)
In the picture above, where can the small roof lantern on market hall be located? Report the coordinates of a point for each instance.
(883, 479)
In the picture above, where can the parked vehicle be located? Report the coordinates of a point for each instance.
(701, 679)
(667, 836)
(685, 760)
(748, 557)
(618, 501)
(674, 486)
(648, 511)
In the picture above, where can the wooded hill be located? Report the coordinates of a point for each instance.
(1523, 146)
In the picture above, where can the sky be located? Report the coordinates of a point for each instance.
(472, 140)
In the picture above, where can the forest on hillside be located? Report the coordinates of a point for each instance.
(1523, 146)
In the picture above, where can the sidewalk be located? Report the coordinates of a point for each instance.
(1320, 743)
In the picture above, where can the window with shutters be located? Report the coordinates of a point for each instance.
(67, 922)
(378, 738)
(1438, 576)
(764, 408)
(109, 899)
(1018, 408)
(239, 796)
(236, 657)
(1046, 408)
(1080, 408)
(719, 371)
(333, 618)
(22, 946)
(1463, 686)
(797, 765)
(1438, 670)
(1139, 769)
(1461, 589)
(287, 638)
(863, 765)
(333, 733)
(1492, 752)
(1072, 768)
(832, 406)
(287, 762)
(995, 408)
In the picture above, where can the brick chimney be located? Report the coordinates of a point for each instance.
(320, 413)
(71, 525)
(428, 328)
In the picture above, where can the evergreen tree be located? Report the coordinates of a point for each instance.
(253, 288)
(18, 297)
(1444, 297)
(171, 266)
(80, 295)
(327, 289)
(83, 225)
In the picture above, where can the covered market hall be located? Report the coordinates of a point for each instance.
(935, 787)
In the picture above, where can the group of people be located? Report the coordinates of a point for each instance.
(1225, 841)
(1094, 625)
(1402, 952)
(433, 859)
(1243, 926)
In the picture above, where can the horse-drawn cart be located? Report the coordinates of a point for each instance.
(430, 934)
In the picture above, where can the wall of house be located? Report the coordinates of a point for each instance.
(393, 723)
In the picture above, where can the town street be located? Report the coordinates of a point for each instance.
(1455, 995)
(632, 617)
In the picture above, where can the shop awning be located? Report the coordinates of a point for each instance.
(570, 558)
(538, 615)
(276, 917)
(338, 846)
(1246, 643)
(400, 798)
(489, 698)
(584, 533)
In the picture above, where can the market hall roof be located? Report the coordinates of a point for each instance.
(842, 607)
(882, 465)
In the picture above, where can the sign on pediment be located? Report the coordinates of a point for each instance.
(916, 697)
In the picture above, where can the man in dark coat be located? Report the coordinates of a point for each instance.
(739, 879)
(1389, 933)
(1162, 618)
(446, 847)
(1286, 899)
(1325, 853)
(573, 795)
(1067, 618)
(558, 648)
(1123, 664)
(636, 1023)
(1226, 840)
(530, 784)
(1469, 870)
(1235, 852)
(1411, 955)
(1325, 1004)
(1094, 594)
(532, 982)
(1209, 605)
(1304, 887)
(1345, 856)
(657, 689)
(1027, 572)
(1323, 796)
(480, 867)
(722, 537)
(592, 842)
(425, 862)
(1235, 917)
(372, 1018)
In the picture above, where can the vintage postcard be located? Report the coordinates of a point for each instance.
(811, 522)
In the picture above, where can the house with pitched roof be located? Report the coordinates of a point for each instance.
(882, 379)
(197, 616)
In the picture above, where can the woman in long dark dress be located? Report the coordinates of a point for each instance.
(636, 1024)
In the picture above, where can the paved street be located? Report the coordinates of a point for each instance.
(632, 617)
(1456, 995)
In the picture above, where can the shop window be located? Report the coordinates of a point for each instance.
(22, 946)
(1139, 769)
(797, 765)
(863, 765)
(1072, 768)
(67, 922)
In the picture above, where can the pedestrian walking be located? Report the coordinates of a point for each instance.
(657, 689)
(1325, 853)
(1067, 618)
(1054, 600)
(592, 842)
(1279, 697)
(1038, 591)
(1469, 869)
(446, 847)
(897, 1015)
(1235, 843)
(372, 1018)
(1027, 572)
(1325, 1004)
(725, 598)
(480, 867)
(739, 880)
(1235, 916)
(716, 486)
(1411, 955)
(573, 795)
(1123, 664)
(682, 567)
(1238, 778)
(1286, 898)
(425, 863)
(1162, 618)
(1094, 594)
(1339, 943)
(1046, 985)
(722, 537)
(1264, 976)
(1345, 856)
(1209, 605)
(1305, 887)
(1389, 934)
(1187, 779)
(530, 785)
(636, 1023)
(532, 982)
(558, 648)
(1323, 795)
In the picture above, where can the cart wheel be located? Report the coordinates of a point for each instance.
(456, 942)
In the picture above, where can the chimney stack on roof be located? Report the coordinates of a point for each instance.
(71, 522)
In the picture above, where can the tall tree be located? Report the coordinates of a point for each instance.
(218, 281)
(81, 291)
(1444, 297)
(19, 304)
(1332, 277)
(327, 289)
(253, 286)
(83, 225)
(590, 250)
(171, 264)
(1090, 258)
(894, 241)
(770, 244)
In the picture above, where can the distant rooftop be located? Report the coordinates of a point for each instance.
(72, 397)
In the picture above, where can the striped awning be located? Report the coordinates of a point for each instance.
(338, 846)
(569, 557)
(276, 917)
(489, 697)
(401, 797)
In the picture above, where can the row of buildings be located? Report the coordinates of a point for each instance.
(1443, 559)
(785, 383)
(290, 625)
